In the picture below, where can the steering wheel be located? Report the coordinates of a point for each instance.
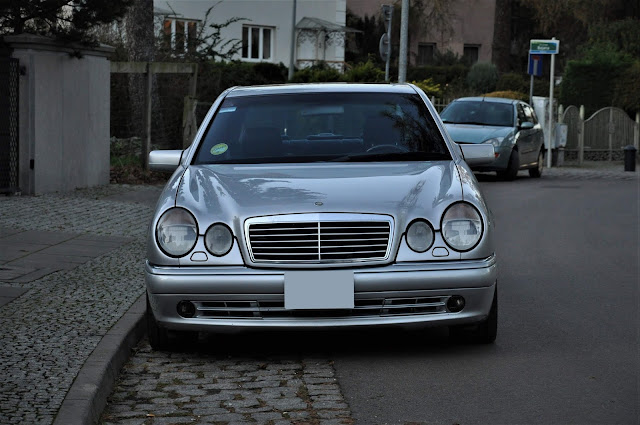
(387, 148)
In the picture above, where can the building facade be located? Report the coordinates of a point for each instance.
(264, 27)
(467, 31)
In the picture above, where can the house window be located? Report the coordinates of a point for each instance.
(180, 34)
(470, 54)
(257, 42)
(425, 53)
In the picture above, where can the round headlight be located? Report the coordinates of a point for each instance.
(218, 239)
(419, 236)
(177, 232)
(496, 142)
(462, 226)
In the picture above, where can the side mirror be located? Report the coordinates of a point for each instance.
(480, 154)
(526, 125)
(164, 160)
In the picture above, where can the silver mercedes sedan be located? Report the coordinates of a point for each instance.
(321, 206)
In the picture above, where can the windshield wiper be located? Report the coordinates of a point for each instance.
(393, 156)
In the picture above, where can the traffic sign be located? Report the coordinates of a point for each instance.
(544, 47)
(384, 46)
(535, 65)
(387, 14)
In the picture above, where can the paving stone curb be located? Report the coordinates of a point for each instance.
(88, 394)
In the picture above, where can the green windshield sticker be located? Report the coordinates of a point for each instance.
(219, 149)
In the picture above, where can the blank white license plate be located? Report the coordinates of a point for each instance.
(324, 289)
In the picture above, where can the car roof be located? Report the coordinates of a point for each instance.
(487, 99)
(320, 88)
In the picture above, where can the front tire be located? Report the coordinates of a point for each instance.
(158, 336)
(536, 172)
(484, 332)
(513, 166)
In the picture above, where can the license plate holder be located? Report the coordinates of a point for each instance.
(318, 290)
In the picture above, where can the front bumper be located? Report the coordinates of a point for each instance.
(401, 293)
(500, 163)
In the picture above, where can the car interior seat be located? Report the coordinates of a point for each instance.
(260, 142)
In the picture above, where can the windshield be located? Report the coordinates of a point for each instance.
(479, 113)
(312, 127)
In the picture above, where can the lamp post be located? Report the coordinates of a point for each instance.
(404, 39)
(292, 61)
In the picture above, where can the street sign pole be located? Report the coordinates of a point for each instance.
(551, 84)
(387, 12)
(547, 47)
(535, 70)
(531, 91)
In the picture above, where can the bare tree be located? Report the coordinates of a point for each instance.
(426, 17)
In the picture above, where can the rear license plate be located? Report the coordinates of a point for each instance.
(316, 290)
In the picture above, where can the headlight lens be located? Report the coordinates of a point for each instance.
(419, 236)
(177, 232)
(462, 226)
(496, 141)
(218, 239)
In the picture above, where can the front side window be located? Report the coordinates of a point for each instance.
(479, 113)
(257, 42)
(322, 127)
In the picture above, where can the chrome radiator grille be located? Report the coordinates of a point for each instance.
(319, 240)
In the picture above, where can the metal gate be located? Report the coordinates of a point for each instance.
(9, 76)
(602, 136)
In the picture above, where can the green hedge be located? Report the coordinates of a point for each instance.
(595, 78)
(442, 75)
(590, 84)
(513, 81)
(482, 77)
(627, 90)
(216, 77)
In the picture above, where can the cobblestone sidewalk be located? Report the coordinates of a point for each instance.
(206, 388)
(48, 332)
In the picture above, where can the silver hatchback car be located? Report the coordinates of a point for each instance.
(321, 206)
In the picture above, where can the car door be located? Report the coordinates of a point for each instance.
(537, 136)
(526, 137)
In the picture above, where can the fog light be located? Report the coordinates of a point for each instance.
(455, 304)
(186, 309)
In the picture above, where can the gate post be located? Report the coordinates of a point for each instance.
(636, 132)
(560, 114)
(611, 130)
(581, 136)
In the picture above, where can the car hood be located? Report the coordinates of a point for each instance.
(467, 133)
(233, 193)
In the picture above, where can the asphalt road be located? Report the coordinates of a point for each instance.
(568, 340)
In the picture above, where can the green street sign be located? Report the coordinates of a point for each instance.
(544, 47)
